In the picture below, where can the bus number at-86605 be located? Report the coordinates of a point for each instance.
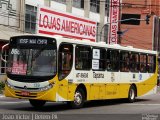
(82, 75)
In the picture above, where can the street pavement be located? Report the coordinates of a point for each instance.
(145, 108)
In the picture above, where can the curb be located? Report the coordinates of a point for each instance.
(1, 95)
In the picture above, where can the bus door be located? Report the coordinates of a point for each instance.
(65, 61)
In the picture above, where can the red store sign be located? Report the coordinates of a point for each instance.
(51, 22)
(114, 24)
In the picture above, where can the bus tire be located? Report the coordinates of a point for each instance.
(79, 99)
(131, 94)
(37, 103)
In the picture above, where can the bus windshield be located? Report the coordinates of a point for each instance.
(30, 60)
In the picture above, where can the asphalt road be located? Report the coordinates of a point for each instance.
(145, 108)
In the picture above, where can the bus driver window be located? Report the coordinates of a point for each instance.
(65, 60)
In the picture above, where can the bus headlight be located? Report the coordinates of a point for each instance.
(9, 85)
(46, 87)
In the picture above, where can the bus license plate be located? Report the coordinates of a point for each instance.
(25, 93)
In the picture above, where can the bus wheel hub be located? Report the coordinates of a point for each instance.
(78, 98)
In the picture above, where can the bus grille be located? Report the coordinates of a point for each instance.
(29, 89)
(30, 94)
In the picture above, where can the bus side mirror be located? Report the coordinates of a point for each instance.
(3, 47)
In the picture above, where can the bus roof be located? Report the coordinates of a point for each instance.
(104, 45)
(61, 39)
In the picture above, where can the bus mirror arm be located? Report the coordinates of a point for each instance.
(3, 47)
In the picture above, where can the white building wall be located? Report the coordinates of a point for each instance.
(94, 16)
(58, 6)
(34, 2)
(78, 12)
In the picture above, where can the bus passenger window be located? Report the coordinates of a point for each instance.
(143, 63)
(124, 61)
(112, 62)
(134, 62)
(151, 63)
(82, 57)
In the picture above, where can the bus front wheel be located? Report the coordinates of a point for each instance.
(79, 98)
(37, 103)
(132, 94)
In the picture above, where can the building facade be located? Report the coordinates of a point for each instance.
(143, 35)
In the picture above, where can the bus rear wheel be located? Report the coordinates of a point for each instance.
(37, 103)
(79, 99)
(132, 94)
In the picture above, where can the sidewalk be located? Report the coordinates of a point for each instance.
(1, 95)
(158, 89)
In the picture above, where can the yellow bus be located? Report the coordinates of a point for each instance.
(55, 69)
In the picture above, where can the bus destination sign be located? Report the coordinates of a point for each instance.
(33, 41)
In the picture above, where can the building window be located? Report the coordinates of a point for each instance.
(30, 19)
(95, 6)
(78, 3)
(4, 64)
(98, 33)
(61, 1)
(102, 33)
(106, 27)
(107, 7)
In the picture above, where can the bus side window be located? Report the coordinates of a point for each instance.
(82, 57)
(124, 61)
(143, 62)
(65, 60)
(112, 63)
(134, 62)
(151, 63)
